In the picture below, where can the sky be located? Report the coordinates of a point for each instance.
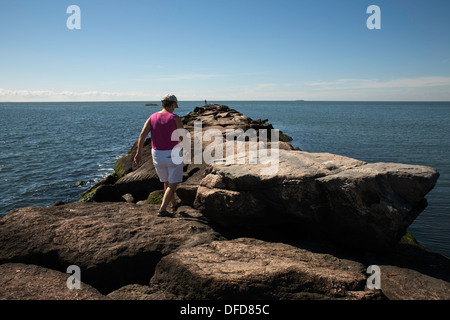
(140, 50)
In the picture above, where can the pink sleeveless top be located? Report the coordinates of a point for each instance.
(163, 125)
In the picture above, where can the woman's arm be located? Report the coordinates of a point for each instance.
(179, 126)
(179, 122)
(144, 133)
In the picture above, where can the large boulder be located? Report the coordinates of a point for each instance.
(410, 272)
(114, 244)
(20, 281)
(127, 178)
(140, 182)
(399, 283)
(187, 190)
(248, 268)
(347, 200)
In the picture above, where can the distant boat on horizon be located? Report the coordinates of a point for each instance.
(299, 100)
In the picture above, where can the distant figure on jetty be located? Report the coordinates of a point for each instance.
(161, 125)
(205, 102)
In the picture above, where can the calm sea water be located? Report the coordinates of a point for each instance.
(46, 148)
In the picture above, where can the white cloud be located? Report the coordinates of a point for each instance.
(431, 88)
(420, 82)
(49, 95)
(406, 89)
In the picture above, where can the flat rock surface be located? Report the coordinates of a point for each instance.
(113, 243)
(406, 284)
(247, 268)
(140, 292)
(20, 281)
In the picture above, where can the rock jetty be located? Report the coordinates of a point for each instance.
(307, 230)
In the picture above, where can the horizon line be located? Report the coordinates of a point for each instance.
(225, 100)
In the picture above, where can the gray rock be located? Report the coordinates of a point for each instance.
(187, 190)
(102, 193)
(407, 284)
(410, 272)
(30, 282)
(367, 205)
(128, 197)
(140, 182)
(247, 268)
(140, 292)
(114, 244)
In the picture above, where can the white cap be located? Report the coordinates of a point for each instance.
(170, 97)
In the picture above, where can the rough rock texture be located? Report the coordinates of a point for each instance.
(128, 178)
(140, 182)
(315, 202)
(410, 272)
(29, 282)
(140, 292)
(408, 284)
(187, 190)
(253, 269)
(335, 196)
(114, 244)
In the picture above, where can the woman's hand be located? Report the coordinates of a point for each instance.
(138, 158)
(140, 144)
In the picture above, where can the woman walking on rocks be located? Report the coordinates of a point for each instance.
(161, 125)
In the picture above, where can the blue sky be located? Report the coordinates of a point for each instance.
(224, 50)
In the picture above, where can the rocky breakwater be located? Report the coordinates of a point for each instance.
(306, 229)
(133, 183)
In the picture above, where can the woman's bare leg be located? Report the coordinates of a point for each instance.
(173, 200)
(169, 195)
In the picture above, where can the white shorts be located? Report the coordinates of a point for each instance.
(167, 170)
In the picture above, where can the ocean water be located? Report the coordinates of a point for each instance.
(47, 149)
